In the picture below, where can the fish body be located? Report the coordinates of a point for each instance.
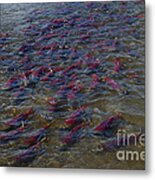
(75, 117)
(17, 80)
(26, 156)
(57, 69)
(76, 65)
(12, 83)
(94, 64)
(116, 65)
(94, 82)
(105, 124)
(59, 20)
(74, 135)
(109, 127)
(113, 84)
(116, 143)
(18, 120)
(11, 135)
(52, 101)
(71, 95)
(34, 77)
(51, 46)
(36, 136)
(47, 76)
(20, 95)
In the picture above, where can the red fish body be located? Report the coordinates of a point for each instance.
(106, 124)
(17, 121)
(84, 37)
(45, 37)
(114, 85)
(70, 95)
(74, 65)
(20, 93)
(52, 101)
(94, 64)
(38, 73)
(116, 65)
(27, 155)
(75, 117)
(94, 82)
(47, 76)
(13, 82)
(57, 69)
(55, 81)
(11, 135)
(60, 20)
(36, 136)
(51, 46)
(74, 135)
(74, 86)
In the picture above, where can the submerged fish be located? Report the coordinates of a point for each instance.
(109, 126)
(114, 85)
(116, 65)
(37, 136)
(25, 156)
(71, 95)
(122, 142)
(94, 64)
(47, 76)
(36, 74)
(13, 82)
(59, 20)
(11, 135)
(94, 82)
(74, 135)
(76, 117)
(19, 119)
(52, 101)
(77, 65)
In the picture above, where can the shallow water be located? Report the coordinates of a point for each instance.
(79, 44)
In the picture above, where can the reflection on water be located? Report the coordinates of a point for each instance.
(71, 75)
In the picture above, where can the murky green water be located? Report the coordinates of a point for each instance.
(91, 36)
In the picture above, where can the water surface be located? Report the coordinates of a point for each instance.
(80, 44)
